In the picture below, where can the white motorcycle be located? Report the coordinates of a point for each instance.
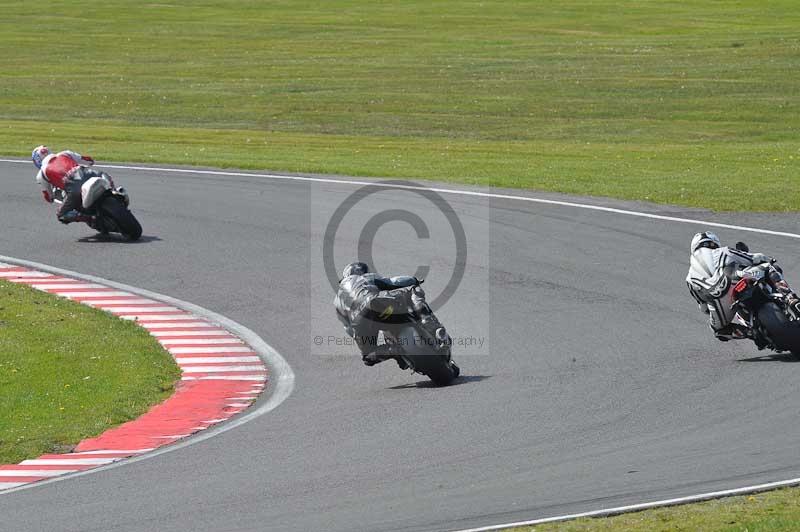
(107, 207)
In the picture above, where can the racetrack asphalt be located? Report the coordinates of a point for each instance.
(599, 385)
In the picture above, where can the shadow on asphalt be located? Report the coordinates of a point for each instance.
(463, 379)
(774, 357)
(95, 239)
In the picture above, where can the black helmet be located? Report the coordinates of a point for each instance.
(355, 268)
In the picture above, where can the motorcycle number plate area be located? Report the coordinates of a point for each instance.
(755, 273)
(737, 318)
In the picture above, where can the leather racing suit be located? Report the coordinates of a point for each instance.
(66, 172)
(711, 279)
(362, 299)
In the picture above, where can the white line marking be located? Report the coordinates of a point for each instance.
(457, 192)
(202, 341)
(25, 275)
(227, 378)
(220, 369)
(203, 350)
(48, 281)
(643, 506)
(215, 360)
(238, 405)
(218, 332)
(134, 310)
(35, 472)
(100, 302)
(94, 294)
(115, 451)
(62, 286)
(69, 461)
(168, 325)
(9, 485)
(154, 317)
(282, 382)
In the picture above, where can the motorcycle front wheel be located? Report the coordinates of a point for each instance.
(785, 334)
(438, 368)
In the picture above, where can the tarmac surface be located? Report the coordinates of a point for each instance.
(596, 384)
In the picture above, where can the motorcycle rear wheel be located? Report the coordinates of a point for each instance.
(125, 220)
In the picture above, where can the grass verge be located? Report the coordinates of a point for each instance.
(686, 103)
(775, 511)
(68, 372)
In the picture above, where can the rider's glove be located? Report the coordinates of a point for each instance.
(47, 196)
(88, 159)
(760, 258)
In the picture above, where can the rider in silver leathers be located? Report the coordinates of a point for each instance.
(363, 296)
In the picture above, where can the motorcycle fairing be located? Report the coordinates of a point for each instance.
(93, 189)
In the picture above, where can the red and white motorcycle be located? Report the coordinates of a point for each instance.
(106, 205)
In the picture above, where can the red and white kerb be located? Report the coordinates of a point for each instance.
(221, 376)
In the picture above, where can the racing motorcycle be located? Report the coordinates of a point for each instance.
(413, 346)
(107, 207)
(761, 302)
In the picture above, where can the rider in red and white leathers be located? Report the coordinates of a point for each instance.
(711, 270)
(64, 171)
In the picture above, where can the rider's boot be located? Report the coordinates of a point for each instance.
(73, 216)
(381, 353)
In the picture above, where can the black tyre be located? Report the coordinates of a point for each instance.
(785, 334)
(123, 218)
(437, 367)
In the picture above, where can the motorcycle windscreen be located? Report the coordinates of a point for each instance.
(92, 190)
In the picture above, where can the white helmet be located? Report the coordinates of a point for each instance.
(38, 155)
(706, 239)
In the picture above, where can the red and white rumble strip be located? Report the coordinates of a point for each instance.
(221, 376)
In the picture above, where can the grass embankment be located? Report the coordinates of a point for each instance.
(776, 511)
(68, 372)
(692, 103)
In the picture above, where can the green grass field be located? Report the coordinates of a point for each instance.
(693, 103)
(68, 372)
(777, 511)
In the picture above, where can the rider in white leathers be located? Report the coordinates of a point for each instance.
(711, 268)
